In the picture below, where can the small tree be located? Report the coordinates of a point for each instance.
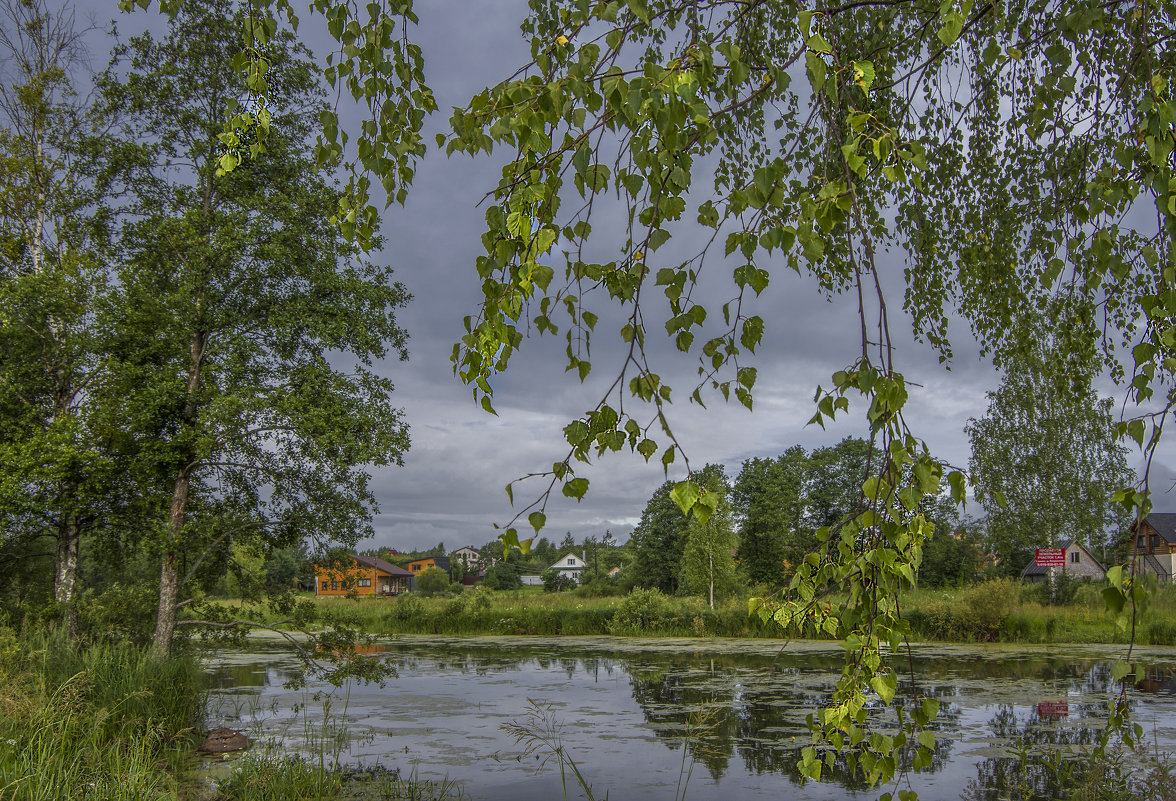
(503, 576)
(432, 581)
(708, 564)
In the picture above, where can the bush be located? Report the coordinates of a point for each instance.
(406, 607)
(1065, 590)
(503, 576)
(432, 581)
(554, 581)
(600, 587)
(123, 612)
(642, 611)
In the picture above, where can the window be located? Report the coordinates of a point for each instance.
(364, 583)
(326, 584)
(334, 585)
(1075, 557)
(1141, 542)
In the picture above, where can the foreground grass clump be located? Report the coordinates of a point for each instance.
(286, 778)
(104, 723)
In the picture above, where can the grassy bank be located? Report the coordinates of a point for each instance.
(107, 723)
(994, 611)
(110, 722)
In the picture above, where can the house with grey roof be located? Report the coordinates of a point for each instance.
(1153, 544)
(1079, 563)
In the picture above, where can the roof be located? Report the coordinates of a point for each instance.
(556, 564)
(440, 561)
(1033, 570)
(467, 548)
(1164, 524)
(380, 564)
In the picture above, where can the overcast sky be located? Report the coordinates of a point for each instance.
(451, 485)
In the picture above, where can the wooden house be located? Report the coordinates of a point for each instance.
(1079, 563)
(363, 575)
(1154, 543)
(417, 565)
(569, 566)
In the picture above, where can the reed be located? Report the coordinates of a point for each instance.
(105, 723)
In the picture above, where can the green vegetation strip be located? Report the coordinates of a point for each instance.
(999, 610)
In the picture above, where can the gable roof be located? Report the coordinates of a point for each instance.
(556, 564)
(1033, 570)
(380, 564)
(1164, 524)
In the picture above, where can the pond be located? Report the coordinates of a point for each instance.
(639, 717)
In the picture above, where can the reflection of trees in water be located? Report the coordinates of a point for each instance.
(751, 707)
(756, 715)
(1046, 762)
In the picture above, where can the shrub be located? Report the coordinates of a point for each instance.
(431, 581)
(554, 581)
(406, 607)
(503, 576)
(642, 610)
(123, 612)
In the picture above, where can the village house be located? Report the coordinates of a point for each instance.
(1079, 563)
(569, 566)
(417, 565)
(362, 575)
(468, 556)
(1154, 543)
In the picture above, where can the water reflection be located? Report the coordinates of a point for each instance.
(738, 709)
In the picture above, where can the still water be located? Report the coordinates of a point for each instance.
(641, 716)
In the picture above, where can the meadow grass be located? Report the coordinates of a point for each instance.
(112, 722)
(1001, 610)
(104, 723)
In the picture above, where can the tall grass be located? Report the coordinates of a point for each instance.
(1003, 610)
(105, 723)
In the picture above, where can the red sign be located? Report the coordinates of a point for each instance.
(1053, 709)
(1050, 557)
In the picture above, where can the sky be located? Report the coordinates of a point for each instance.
(451, 486)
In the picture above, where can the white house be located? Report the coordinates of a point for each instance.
(570, 566)
(468, 556)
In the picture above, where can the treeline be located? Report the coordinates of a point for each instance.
(170, 395)
(770, 515)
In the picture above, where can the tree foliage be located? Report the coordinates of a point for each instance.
(708, 554)
(1047, 458)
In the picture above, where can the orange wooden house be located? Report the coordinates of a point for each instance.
(362, 575)
(417, 565)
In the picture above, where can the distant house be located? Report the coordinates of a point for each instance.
(417, 565)
(363, 575)
(569, 566)
(468, 556)
(613, 572)
(1154, 542)
(1079, 563)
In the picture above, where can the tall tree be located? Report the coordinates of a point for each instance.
(768, 500)
(833, 490)
(708, 560)
(658, 541)
(245, 346)
(1044, 456)
(58, 477)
